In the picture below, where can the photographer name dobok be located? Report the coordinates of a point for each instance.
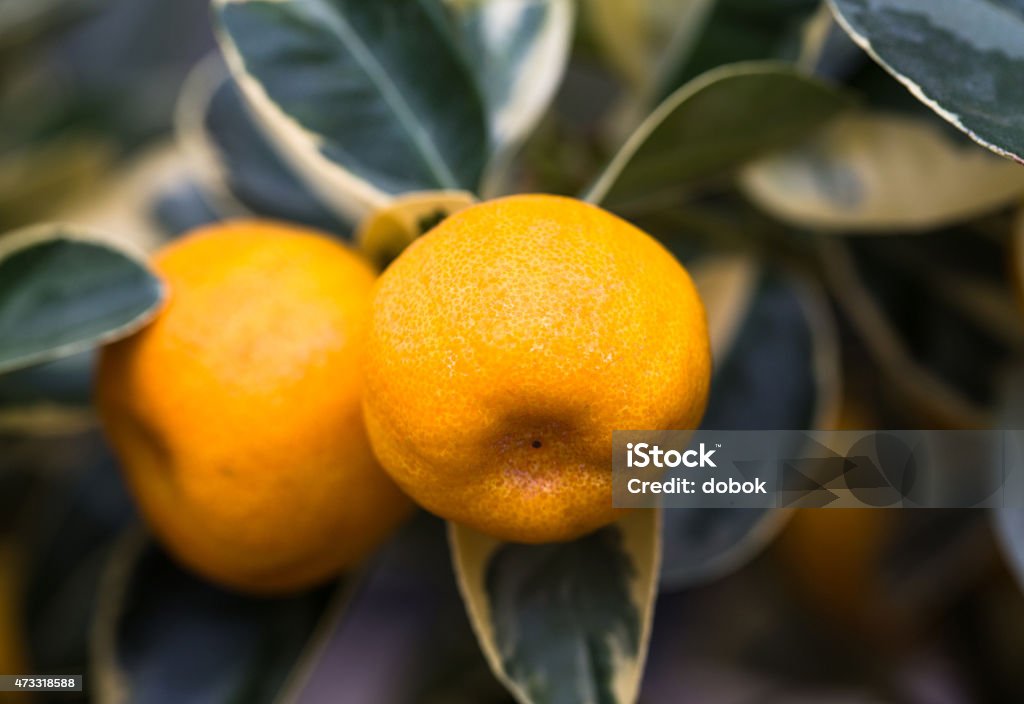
(690, 486)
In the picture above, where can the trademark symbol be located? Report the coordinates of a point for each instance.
(718, 444)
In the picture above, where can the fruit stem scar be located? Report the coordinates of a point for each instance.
(536, 443)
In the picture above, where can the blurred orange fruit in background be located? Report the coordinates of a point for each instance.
(835, 556)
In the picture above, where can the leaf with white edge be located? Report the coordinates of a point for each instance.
(519, 49)
(240, 171)
(962, 58)
(150, 615)
(366, 99)
(564, 622)
(61, 293)
(778, 369)
(385, 233)
(870, 172)
(715, 123)
(782, 370)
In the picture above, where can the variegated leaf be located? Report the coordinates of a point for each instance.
(564, 622)
(881, 172)
(366, 99)
(62, 292)
(715, 123)
(519, 49)
(963, 58)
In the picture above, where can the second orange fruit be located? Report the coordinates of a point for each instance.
(237, 413)
(509, 342)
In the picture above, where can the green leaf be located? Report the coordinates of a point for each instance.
(702, 545)
(782, 370)
(778, 367)
(519, 49)
(367, 99)
(564, 622)
(716, 123)
(154, 621)
(879, 172)
(963, 58)
(80, 506)
(240, 171)
(61, 294)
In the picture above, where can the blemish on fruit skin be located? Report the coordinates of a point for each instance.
(536, 444)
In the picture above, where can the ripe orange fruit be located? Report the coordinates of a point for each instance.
(509, 342)
(237, 413)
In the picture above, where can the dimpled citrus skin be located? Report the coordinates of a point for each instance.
(508, 343)
(237, 413)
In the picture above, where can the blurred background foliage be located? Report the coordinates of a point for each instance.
(863, 274)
